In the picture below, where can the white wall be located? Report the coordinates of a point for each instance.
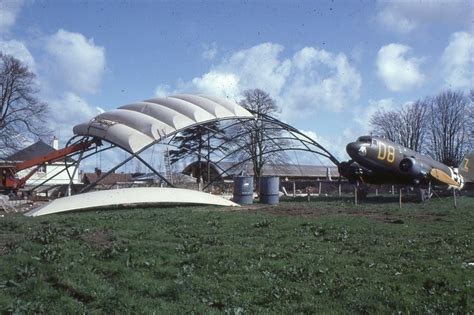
(51, 170)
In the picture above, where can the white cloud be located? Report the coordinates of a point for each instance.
(458, 61)
(396, 70)
(311, 79)
(402, 16)
(76, 61)
(67, 111)
(258, 67)
(8, 12)
(209, 52)
(320, 79)
(393, 19)
(362, 114)
(217, 83)
(163, 90)
(18, 50)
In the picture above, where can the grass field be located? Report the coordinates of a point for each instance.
(324, 256)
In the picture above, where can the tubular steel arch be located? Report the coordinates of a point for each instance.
(308, 144)
(139, 126)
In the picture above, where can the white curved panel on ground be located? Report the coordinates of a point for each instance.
(134, 126)
(129, 196)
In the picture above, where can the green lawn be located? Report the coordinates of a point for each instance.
(299, 257)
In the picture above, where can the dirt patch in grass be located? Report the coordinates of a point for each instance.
(387, 217)
(379, 216)
(72, 292)
(98, 239)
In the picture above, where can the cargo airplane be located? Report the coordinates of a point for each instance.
(377, 160)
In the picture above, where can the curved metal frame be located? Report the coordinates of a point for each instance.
(308, 145)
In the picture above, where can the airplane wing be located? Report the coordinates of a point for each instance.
(443, 177)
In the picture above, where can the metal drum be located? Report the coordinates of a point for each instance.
(243, 190)
(269, 189)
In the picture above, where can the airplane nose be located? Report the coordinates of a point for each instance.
(352, 148)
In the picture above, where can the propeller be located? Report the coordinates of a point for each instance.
(350, 170)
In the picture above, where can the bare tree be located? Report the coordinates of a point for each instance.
(451, 123)
(406, 126)
(470, 124)
(414, 125)
(22, 115)
(386, 124)
(258, 139)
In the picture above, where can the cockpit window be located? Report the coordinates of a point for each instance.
(365, 139)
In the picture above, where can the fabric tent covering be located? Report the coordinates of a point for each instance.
(134, 126)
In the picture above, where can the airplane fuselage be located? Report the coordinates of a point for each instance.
(383, 161)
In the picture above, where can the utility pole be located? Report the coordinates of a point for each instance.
(169, 175)
(208, 157)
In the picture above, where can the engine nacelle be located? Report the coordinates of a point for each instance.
(410, 167)
(350, 170)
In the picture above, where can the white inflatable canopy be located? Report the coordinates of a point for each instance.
(134, 126)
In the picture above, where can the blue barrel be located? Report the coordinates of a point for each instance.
(269, 187)
(243, 190)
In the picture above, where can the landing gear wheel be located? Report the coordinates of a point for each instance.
(423, 194)
(362, 192)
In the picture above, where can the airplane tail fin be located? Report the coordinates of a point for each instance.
(466, 168)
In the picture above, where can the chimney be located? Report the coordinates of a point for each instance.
(55, 143)
(98, 171)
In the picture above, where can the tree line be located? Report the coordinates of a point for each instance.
(441, 126)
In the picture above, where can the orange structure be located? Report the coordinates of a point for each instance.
(8, 172)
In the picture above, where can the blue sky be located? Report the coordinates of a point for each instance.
(329, 64)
